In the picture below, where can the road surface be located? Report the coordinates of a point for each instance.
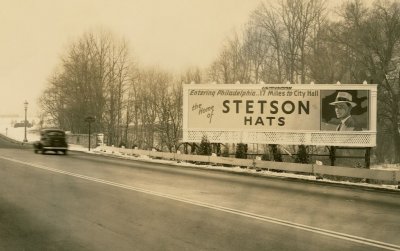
(90, 202)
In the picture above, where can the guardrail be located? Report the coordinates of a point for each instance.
(312, 169)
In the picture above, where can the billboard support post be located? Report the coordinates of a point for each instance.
(367, 157)
(332, 155)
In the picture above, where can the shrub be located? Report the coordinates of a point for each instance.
(225, 152)
(302, 155)
(265, 157)
(276, 153)
(205, 147)
(241, 151)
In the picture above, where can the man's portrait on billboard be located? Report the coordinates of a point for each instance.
(344, 110)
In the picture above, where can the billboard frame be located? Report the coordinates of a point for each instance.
(284, 137)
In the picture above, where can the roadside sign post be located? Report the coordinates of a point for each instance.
(90, 120)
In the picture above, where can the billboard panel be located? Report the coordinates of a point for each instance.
(281, 114)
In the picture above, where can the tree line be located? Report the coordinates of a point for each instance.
(288, 40)
(98, 77)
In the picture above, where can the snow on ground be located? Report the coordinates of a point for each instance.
(387, 167)
(7, 128)
(33, 135)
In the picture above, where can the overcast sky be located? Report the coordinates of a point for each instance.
(173, 34)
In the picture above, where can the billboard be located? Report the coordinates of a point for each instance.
(340, 115)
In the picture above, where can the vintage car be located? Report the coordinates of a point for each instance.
(51, 140)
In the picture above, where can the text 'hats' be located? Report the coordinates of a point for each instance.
(344, 97)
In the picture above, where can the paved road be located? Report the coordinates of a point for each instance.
(88, 202)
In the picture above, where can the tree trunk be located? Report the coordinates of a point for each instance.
(396, 142)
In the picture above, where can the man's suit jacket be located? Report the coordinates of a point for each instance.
(349, 125)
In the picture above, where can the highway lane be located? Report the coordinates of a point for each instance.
(86, 202)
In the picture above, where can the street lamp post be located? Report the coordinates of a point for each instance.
(26, 108)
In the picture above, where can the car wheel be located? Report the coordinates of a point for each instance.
(43, 151)
(35, 151)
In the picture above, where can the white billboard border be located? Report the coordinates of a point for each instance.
(317, 138)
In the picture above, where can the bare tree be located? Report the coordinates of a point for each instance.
(298, 17)
(170, 116)
(267, 19)
(221, 69)
(116, 90)
(371, 39)
(256, 50)
(90, 82)
(191, 74)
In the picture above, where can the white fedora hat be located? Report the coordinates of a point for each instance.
(344, 97)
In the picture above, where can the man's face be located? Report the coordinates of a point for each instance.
(342, 110)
